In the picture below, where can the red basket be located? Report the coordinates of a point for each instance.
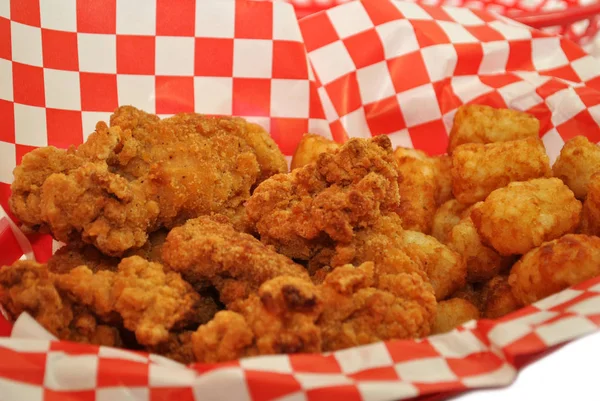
(574, 19)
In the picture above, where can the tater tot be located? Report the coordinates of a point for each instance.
(471, 293)
(590, 217)
(446, 216)
(452, 313)
(484, 124)
(482, 262)
(417, 184)
(498, 298)
(444, 178)
(554, 266)
(523, 215)
(578, 160)
(309, 149)
(479, 169)
(445, 268)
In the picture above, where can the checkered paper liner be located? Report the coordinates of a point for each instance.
(359, 69)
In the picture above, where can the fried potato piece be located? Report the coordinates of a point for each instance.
(418, 188)
(483, 262)
(453, 313)
(309, 149)
(590, 216)
(209, 248)
(498, 298)
(484, 124)
(523, 215)
(479, 169)
(279, 318)
(362, 305)
(554, 266)
(149, 301)
(327, 200)
(579, 159)
(444, 178)
(445, 268)
(28, 286)
(447, 216)
(471, 293)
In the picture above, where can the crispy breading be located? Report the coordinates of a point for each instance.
(309, 149)
(479, 169)
(149, 301)
(178, 347)
(554, 266)
(523, 215)
(418, 188)
(141, 174)
(590, 216)
(484, 124)
(209, 248)
(447, 216)
(498, 298)
(443, 175)
(452, 313)
(325, 201)
(579, 159)
(483, 262)
(28, 286)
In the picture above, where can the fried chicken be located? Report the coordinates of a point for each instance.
(353, 306)
(142, 174)
(149, 300)
(327, 200)
(208, 248)
(29, 287)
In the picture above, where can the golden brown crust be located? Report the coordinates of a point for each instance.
(555, 266)
(523, 215)
(579, 159)
(309, 149)
(446, 216)
(485, 124)
(479, 169)
(498, 298)
(590, 215)
(443, 164)
(453, 313)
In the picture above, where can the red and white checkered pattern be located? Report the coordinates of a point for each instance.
(360, 69)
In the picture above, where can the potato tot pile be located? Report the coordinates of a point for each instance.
(524, 229)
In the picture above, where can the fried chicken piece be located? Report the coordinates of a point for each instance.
(443, 175)
(418, 188)
(325, 201)
(452, 313)
(579, 159)
(555, 266)
(498, 298)
(210, 249)
(479, 169)
(28, 286)
(279, 319)
(590, 216)
(141, 174)
(484, 124)
(309, 149)
(446, 217)
(149, 300)
(523, 215)
(178, 347)
(483, 262)
(362, 305)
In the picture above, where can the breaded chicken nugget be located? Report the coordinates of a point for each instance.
(590, 217)
(578, 160)
(452, 313)
(482, 262)
(447, 216)
(516, 219)
(554, 266)
(479, 169)
(444, 178)
(418, 187)
(309, 149)
(498, 298)
(483, 124)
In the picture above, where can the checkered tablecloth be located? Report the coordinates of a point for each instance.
(360, 69)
